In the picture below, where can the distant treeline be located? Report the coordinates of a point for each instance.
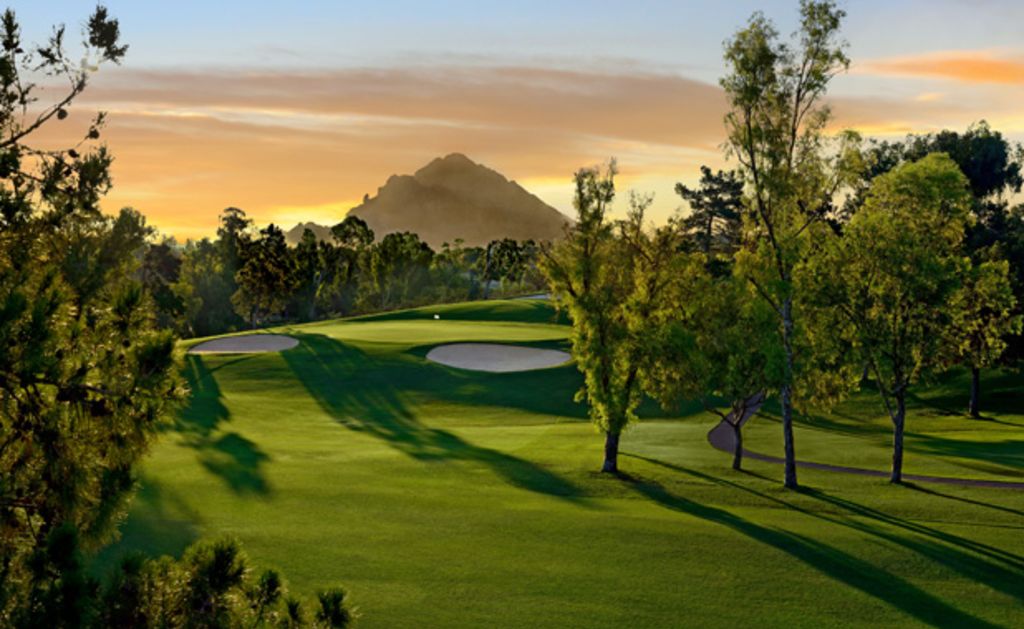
(247, 277)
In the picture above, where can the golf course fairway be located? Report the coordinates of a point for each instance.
(442, 497)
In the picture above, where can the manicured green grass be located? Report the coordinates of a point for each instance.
(447, 498)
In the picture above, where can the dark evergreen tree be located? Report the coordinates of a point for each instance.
(714, 224)
(159, 272)
(84, 373)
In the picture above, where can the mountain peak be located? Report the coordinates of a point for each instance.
(454, 197)
(456, 158)
(451, 163)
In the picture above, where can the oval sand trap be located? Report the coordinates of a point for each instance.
(245, 344)
(496, 358)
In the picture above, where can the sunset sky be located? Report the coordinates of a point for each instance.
(292, 111)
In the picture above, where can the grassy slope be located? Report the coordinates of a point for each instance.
(448, 498)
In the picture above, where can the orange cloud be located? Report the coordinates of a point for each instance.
(188, 144)
(963, 66)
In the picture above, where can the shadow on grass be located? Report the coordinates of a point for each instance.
(161, 523)
(368, 396)
(1000, 394)
(995, 456)
(1004, 458)
(939, 494)
(230, 456)
(1001, 570)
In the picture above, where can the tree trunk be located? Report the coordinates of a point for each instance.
(611, 453)
(975, 393)
(897, 437)
(737, 452)
(789, 478)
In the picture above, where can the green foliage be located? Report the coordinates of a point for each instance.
(353, 233)
(233, 237)
(714, 224)
(333, 611)
(505, 261)
(159, 271)
(265, 280)
(896, 274)
(775, 127)
(343, 262)
(454, 271)
(713, 345)
(993, 167)
(991, 164)
(610, 278)
(984, 315)
(240, 277)
(205, 289)
(396, 270)
(85, 375)
(212, 586)
(311, 265)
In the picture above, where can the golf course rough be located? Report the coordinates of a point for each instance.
(496, 358)
(245, 344)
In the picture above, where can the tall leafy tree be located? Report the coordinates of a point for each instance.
(396, 270)
(775, 126)
(453, 271)
(993, 167)
(894, 278)
(711, 346)
(204, 290)
(233, 236)
(493, 264)
(265, 280)
(312, 271)
(352, 238)
(984, 315)
(610, 278)
(530, 276)
(504, 263)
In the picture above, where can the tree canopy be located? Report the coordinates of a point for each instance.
(894, 276)
(775, 127)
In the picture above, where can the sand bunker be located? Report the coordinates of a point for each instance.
(496, 358)
(245, 344)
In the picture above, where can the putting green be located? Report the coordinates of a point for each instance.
(450, 498)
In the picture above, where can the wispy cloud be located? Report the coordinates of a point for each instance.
(278, 143)
(965, 66)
